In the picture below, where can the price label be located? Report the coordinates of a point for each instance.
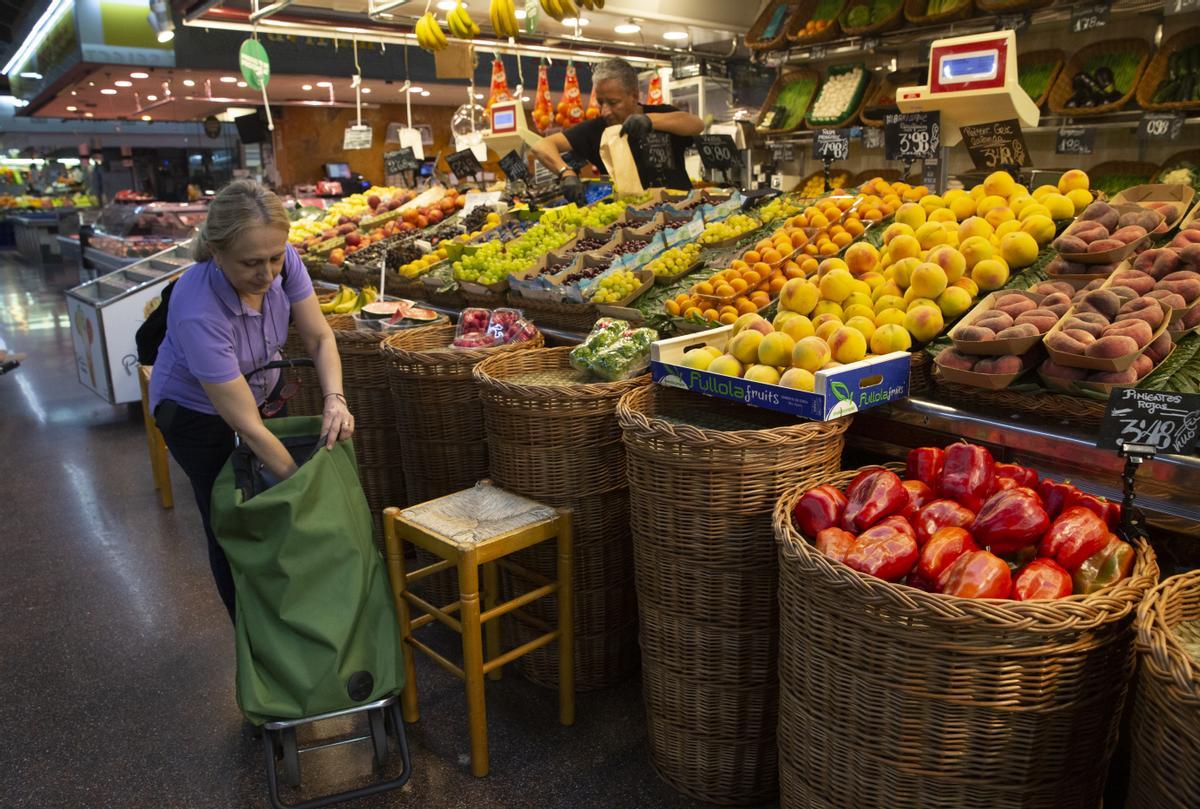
(656, 150)
(400, 160)
(356, 137)
(931, 176)
(784, 153)
(1012, 22)
(912, 136)
(463, 164)
(1075, 140)
(871, 43)
(575, 162)
(872, 137)
(1089, 16)
(514, 166)
(1169, 422)
(831, 144)
(817, 52)
(1180, 6)
(717, 151)
(1160, 126)
(997, 145)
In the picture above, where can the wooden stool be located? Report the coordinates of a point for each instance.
(468, 530)
(159, 466)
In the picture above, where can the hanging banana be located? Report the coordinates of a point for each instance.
(590, 5)
(429, 34)
(460, 23)
(504, 18)
(552, 9)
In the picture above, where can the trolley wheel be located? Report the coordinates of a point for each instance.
(379, 735)
(291, 757)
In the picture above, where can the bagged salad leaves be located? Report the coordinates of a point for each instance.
(606, 332)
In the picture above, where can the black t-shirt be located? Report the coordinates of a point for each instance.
(658, 155)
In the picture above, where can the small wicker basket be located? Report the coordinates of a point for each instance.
(1063, 88)
(1156, 71)
(755, 40)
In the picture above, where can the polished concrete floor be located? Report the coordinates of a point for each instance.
(116, 661)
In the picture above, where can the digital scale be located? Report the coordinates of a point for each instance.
(972, 80)
(508, 130)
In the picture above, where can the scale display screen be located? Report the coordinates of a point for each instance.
(969, 67)
(504, 119)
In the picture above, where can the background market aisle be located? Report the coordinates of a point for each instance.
(116, 662)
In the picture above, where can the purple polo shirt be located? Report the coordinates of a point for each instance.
(213, 337)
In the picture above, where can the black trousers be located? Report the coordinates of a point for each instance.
(201, 443)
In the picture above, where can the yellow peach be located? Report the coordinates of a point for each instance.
(990, 274)
(798, 378)
(924, 323)
(799, 295)
(810, 354)
(864, 324)
(953, 302)
(776, 349)
(726, 365)
(798, 327)
(836, 285)
(1072, 180)
(762, 373)
(847, 345)
(890, 337)
(928, 280)
(745, 346)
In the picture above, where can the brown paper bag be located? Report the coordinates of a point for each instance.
(618, 159)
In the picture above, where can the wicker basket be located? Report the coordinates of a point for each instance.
(754, 37)
(915, 11)
(438, 420)
(1165, 747)
(1009, 6)
(888, 23)
(485, 300)
(1156, 71)
(1045, 404)
(578, 317)
(308, 400)
(1053, 56)
(1187, 155)
(795, 31)
(359, 276)
(703, 477)
(920, 373)
(852, 113)
(552, 436)
(890, 696)
(1062, 90)
(887, 84)
(776, 88)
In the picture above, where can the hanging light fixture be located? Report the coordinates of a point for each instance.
(160, 20)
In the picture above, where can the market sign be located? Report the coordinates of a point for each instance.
(255, 66)
(400, 160)
(1075, 140)
(1089, 16)
(997, 145)
(1160, 126)
(717, 152)
(1167, 422)
(831, 144)
(909, 136)
(464, 164)
(514, 166)
(357, 137)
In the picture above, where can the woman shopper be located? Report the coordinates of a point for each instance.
(228, 316)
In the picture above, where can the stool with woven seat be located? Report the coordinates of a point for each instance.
(472, 531)
(159, 466)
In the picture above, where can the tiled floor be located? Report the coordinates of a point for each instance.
(116, 661)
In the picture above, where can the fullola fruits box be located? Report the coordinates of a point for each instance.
(837, 391)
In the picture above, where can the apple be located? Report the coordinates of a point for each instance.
(435, 215)
(353, 239)
(422, 221)
(373, 201)
(405, 227)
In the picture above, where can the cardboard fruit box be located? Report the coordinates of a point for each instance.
(1100, 363)
(1177, 194)
(1016, 345)
(838, 391)
(975, 379)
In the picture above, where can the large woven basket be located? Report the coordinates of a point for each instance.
(553, 436)
(365, 382)
(1062, 90)
(1043, 403)
(1156, 71)
(703, 478)
(308, 400)
(890, 696)
(438, 420)
(578, 317)
(1165, 747)
(754, 37)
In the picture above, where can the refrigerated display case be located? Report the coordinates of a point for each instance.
(105, 315)
(123, 234)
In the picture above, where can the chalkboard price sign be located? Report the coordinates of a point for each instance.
(997, 145)
(717, 151)
(1012, 22)
(1168, 422)
(657, 150)
(1075, 140)
(831, 144)
(400, 160)
(463, 164)
(912, 136)
(514, 166)
(1160, 126)
(1089, 17)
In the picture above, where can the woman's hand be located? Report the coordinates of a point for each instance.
(336, 422)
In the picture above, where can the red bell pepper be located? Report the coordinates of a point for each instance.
(1023, 475)
(900, 523)
(968, 474)
(862, 473)
(1105, 567)
(1075, 535)
(1041, 578)
(818, 509)
(872, 497)
(1005, 484)
(938, 514)
(1054, 495)
(919, 494)
(1093, 502)
(1010, 520)
(925, 465)
(884, 552)
(920, 581)
(946, 545)
(835, 543)
(976, 574)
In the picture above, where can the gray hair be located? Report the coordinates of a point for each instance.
(617, 70)
(241, 205)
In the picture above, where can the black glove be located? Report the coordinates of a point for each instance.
(636, 126)
(572, 189)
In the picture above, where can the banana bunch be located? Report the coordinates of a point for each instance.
(460, 23)
(430, 35)
(592, 5)
(504, 18)
(559, 8)
(348, 301)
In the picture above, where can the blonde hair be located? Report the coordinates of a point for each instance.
(238, 206)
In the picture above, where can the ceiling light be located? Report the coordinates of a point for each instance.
(524, 98)
(160, 20)
(146, 118)
(123, 83)
(108, 91)
(189, 83)
(627, 28)
(324, 84)
(519, 13)
(366, 89)
(228, 79)
(305, 86)
(88, 115)
(580, 21)
(72, 109)
(137, 74)
(30, 74)
(152, 98)
(446, 5)
(74, 92)
(241, 84)
(675, 35)
(426, 93)
(46, 23)
(479, 96)
(416, 89)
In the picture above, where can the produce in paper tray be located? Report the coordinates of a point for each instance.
(837, 95)
(963, 525)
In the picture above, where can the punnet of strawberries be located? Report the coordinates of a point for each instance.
(961, 524)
